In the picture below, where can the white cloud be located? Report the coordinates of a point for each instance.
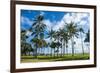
(42, 13)
(26, 20)
(48, 23)
(59, 25)
(83, 22)
(75, 17)
(68, 17)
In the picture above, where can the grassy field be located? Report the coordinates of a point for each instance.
(28, 59)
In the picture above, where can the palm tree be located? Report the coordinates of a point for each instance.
(51, 35)
(65, 37)
(24, 44)
(26, 48)
(81, 31)
(87, 39)
(57, 38)
(53, 45)
(42, 44)
(72, 32)
(61, 32)
(38, 29)
(64, 40)
(35, 42)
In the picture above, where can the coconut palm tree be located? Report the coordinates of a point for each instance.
(53, 45)
(38, 29)
(61, 32)
(72, 32)
(35, 42)
(81, 31)
(57, 38)
(87, 39)
(65, 37)
(51, 35)
(24, 44)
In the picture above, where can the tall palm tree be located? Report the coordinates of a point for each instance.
(81, 31)
(57, 38)
(72, 32)
(87, 39)
(38, 29)
(61, 32)
(35, 42)
(65, 37)
(51, 35)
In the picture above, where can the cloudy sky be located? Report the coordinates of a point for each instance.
(56, 20)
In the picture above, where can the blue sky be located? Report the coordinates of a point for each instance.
(55, 20)
(51, 15)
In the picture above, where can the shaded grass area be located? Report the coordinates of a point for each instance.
(26, 59)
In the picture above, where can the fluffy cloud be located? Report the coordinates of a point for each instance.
(59, 25)
(75, 17)
(80, 19)
(48, 23)
(26, 20)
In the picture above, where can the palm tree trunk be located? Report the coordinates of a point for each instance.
(82, 43)
(62, 50)
(66, 50)
(51, 52)
(36, 52)
(72, 46)
(54, 52)
(58, 48)
(57, 51)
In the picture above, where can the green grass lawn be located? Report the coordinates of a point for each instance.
(27, 59)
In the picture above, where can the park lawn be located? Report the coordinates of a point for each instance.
(29, 59)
